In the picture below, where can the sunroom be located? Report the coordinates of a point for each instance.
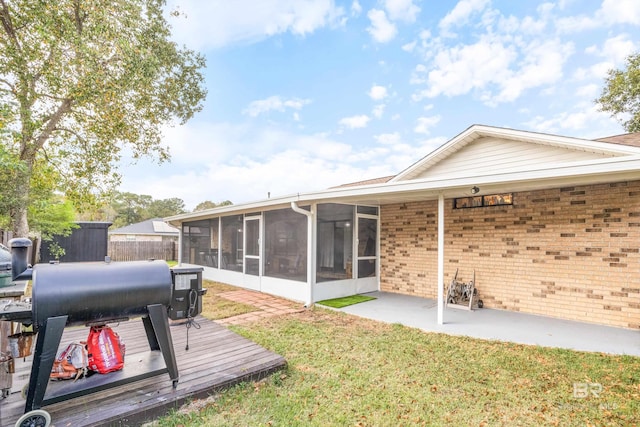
(572, 203)
(305, 253)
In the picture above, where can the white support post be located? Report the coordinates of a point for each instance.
(440, 259)
(180, 237)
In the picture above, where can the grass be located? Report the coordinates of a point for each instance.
(215, 307)
(345, 301)
(348, 371)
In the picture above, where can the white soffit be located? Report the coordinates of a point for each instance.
(484, 149)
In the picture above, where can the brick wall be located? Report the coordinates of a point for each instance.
(571, 253)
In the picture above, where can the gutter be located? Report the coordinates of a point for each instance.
(310, 252)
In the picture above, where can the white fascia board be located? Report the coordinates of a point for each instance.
(478, 131)
(628, 165)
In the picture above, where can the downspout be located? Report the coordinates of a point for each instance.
(310, 253)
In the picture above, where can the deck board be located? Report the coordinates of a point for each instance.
(217, 358)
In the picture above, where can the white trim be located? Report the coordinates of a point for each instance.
(581, 173)
(478, 131)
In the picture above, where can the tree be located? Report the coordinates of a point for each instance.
(208, 204)
(164, 207)
(82, 80)
(621, 95)
(129, 208)
(49, 213)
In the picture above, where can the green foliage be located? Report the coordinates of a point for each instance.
(208, 204)
(621, 95)
(53, 217)
(165, 207)
(82, 80)
(56, 251)
(129, 208)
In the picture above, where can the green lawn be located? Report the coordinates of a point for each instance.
(347, 371)
(215, 307)
(345, 301)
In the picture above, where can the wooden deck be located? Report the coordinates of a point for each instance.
(217, 358)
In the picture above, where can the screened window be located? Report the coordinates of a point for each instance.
(196, 242)
(232, 243)
(335, 242)
(285, 244)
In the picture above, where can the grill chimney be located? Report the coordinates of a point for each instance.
(20, 269)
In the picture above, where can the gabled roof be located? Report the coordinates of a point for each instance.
(483, 147)
(154, 226)
(367, 182)
(497, 160)
(632, 139)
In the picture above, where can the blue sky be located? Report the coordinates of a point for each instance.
(308, 94)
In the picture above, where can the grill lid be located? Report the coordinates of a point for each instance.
(5, 258)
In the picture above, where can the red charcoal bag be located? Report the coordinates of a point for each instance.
(105, 351)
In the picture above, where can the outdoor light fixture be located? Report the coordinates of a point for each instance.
(474, 190)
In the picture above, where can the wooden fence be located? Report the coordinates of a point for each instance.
(5, 236)
(140, 251)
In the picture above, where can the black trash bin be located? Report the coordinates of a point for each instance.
(5, 267)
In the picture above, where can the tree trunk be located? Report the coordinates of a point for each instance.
(19, 221)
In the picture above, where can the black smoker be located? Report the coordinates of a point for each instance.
(98, 293)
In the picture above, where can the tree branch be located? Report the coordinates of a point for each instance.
(51, 125)
(79, 20)
(5, 18)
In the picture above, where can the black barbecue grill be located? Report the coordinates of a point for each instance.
(95, 294)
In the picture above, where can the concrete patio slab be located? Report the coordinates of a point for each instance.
(498, 325)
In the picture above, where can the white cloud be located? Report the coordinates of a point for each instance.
(243, 164)
(617, 49)
(581, 122)
(424, 124)
(409, 47)
(276, 103)
(378, 111)
(356, 9)
(611, 12)
(218, 23)
(614, 50)
(461, 69)
(377, 92)
(401, 10)
(590, 91)
(460, 14)
(620, 12)
(575, 24)
(542, 65)
(388, 138)
(355, 122)
(381, 29)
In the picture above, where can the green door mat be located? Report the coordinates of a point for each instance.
(345, 301)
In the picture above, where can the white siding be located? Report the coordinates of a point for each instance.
(490, 154)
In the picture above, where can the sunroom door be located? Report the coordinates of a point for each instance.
(366, 267)
(252, 248)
